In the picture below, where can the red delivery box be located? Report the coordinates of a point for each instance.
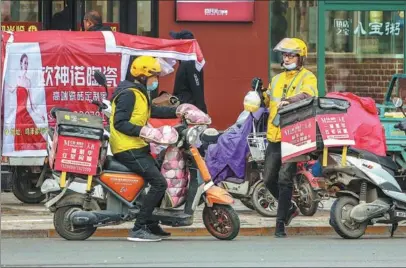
(312, 124)
(77, 143)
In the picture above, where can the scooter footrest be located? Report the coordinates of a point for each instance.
(173, 218)
(170, 213)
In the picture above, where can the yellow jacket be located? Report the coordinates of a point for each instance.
(140, 114)
(282, 87)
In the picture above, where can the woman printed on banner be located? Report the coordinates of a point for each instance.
(28, 120)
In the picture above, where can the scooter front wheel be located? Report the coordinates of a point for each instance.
(63, 225)
(221, 221)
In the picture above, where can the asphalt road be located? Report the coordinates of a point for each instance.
(192, 252)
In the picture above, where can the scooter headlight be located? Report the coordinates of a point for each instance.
(191, 135)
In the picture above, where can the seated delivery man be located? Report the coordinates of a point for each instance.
(131, 109)
(293, 84)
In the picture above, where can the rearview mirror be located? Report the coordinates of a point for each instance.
(397, 102)
(100, 78)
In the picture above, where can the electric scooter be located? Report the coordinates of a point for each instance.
(77, 216)
(369, 193)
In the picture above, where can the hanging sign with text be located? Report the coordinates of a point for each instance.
(215, 10)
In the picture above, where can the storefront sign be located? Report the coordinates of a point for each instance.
(20, 26)
(343, 27)
(115, 27)
(215, 10)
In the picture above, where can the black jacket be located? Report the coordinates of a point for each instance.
(125, 103)
(189, 85)
(99, 27)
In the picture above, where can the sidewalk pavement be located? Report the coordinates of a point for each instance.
(35, 221)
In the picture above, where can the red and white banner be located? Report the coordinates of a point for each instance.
(77, 155)
(215, 10)
(298, 139)
(334, 130)
(55, 68)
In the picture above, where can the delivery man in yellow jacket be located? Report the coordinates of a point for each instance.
(131, 110)
(293, 84)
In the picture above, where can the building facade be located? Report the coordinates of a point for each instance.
(354, 45)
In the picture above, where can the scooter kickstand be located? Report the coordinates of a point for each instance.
(393, 229)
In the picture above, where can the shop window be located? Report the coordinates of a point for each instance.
(108, 9)
(144, 18)
(20, 15)
(293, 19)
(363, 50)
(61, 19)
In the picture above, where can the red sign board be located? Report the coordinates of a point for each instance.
(77, 155)
(334, 129)
(298, 139)
(21, 26)
(215, 10)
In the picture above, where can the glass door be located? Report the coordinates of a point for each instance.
(20, 15)
(361, 45)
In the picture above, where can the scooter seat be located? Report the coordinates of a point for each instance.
(385, 161)
(113, 165)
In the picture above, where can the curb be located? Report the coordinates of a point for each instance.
(199, 232)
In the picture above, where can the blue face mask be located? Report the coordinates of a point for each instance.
(153, 86)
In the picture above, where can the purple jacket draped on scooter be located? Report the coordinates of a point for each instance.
(227, 158)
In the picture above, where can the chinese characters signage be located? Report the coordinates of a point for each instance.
(298, 139)
(334, 130)
(215, 10)
(77, 155)
(343, 27)
(18, 26)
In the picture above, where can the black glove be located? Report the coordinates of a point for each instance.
(255, 81)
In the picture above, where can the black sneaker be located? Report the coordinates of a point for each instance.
(280, 229)
(293, 212)
(157, 230)
(142, 235)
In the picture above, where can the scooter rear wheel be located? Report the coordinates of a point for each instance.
(306, 203)
(63, 226)
(247, 203)
(221, 221)
(340, 218)
(263, 201)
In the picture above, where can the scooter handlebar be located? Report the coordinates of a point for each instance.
(99, 104)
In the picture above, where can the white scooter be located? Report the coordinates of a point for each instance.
(369, 191)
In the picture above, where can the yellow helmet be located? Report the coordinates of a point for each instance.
(252, 102)
(292, 45)
(145, 66)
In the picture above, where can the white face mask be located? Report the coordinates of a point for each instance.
(291, 66)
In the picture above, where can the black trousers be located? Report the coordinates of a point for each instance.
(278, 178)
(141, 162)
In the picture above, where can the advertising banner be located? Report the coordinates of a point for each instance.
(49, 69)
(334, 130)
(298, 139)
